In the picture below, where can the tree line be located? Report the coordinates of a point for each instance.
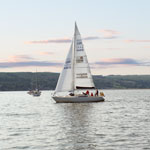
(22, 81)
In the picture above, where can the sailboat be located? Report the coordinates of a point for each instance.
(75, 76)
(35, 92)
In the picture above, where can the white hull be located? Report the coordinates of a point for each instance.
(76, 99)
(36, 94)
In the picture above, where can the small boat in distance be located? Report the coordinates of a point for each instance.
(35, 92)
(76, 76)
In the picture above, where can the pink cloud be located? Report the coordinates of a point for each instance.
(63, 40)
(17, 58)
(104, 63)
(146, 46)
(130, 41)
(109, 33)
(18, 64)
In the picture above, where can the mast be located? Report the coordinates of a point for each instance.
(73, 57)
(36, 79)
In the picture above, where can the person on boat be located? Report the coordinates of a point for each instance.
(83, 93)
(71, 94)
(87, 92)
(91, 94)
(102, 94)
(96, 93)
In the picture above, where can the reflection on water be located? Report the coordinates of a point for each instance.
(38, 123)
(76, 133)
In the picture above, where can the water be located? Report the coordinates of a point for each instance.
(122, 122)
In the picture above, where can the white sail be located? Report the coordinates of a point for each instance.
(82, 74)
(66, 78)
(76, 72)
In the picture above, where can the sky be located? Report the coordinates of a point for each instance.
(36, 34)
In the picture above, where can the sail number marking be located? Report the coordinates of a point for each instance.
(79, 59)
(79, 45)
(82, 75)
(67, 64)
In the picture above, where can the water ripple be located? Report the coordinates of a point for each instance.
(122, 122)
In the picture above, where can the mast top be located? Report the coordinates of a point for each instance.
(76, 31)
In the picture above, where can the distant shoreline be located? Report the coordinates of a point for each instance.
(24, 81)
(98, 89)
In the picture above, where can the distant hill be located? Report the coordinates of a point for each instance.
(19, 81)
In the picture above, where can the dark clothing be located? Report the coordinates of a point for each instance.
(71, 94)
(96, 94)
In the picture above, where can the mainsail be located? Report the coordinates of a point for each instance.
(83, 78)
(76, 72)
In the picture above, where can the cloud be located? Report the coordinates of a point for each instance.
(147, 47)
(27, 61)
(62, 40)
(29, 64)
(68, 40)
(91, 38)
(109, 34)
(16, 58)
(46, 53)
(131, 41)
(105, 63)
(118, 61)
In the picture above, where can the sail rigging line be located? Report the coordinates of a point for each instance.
(73, 64)
(74, 55)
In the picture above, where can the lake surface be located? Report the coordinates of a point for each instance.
(122, 122)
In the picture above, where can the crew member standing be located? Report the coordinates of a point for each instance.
(87, 92)
(96, 93)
